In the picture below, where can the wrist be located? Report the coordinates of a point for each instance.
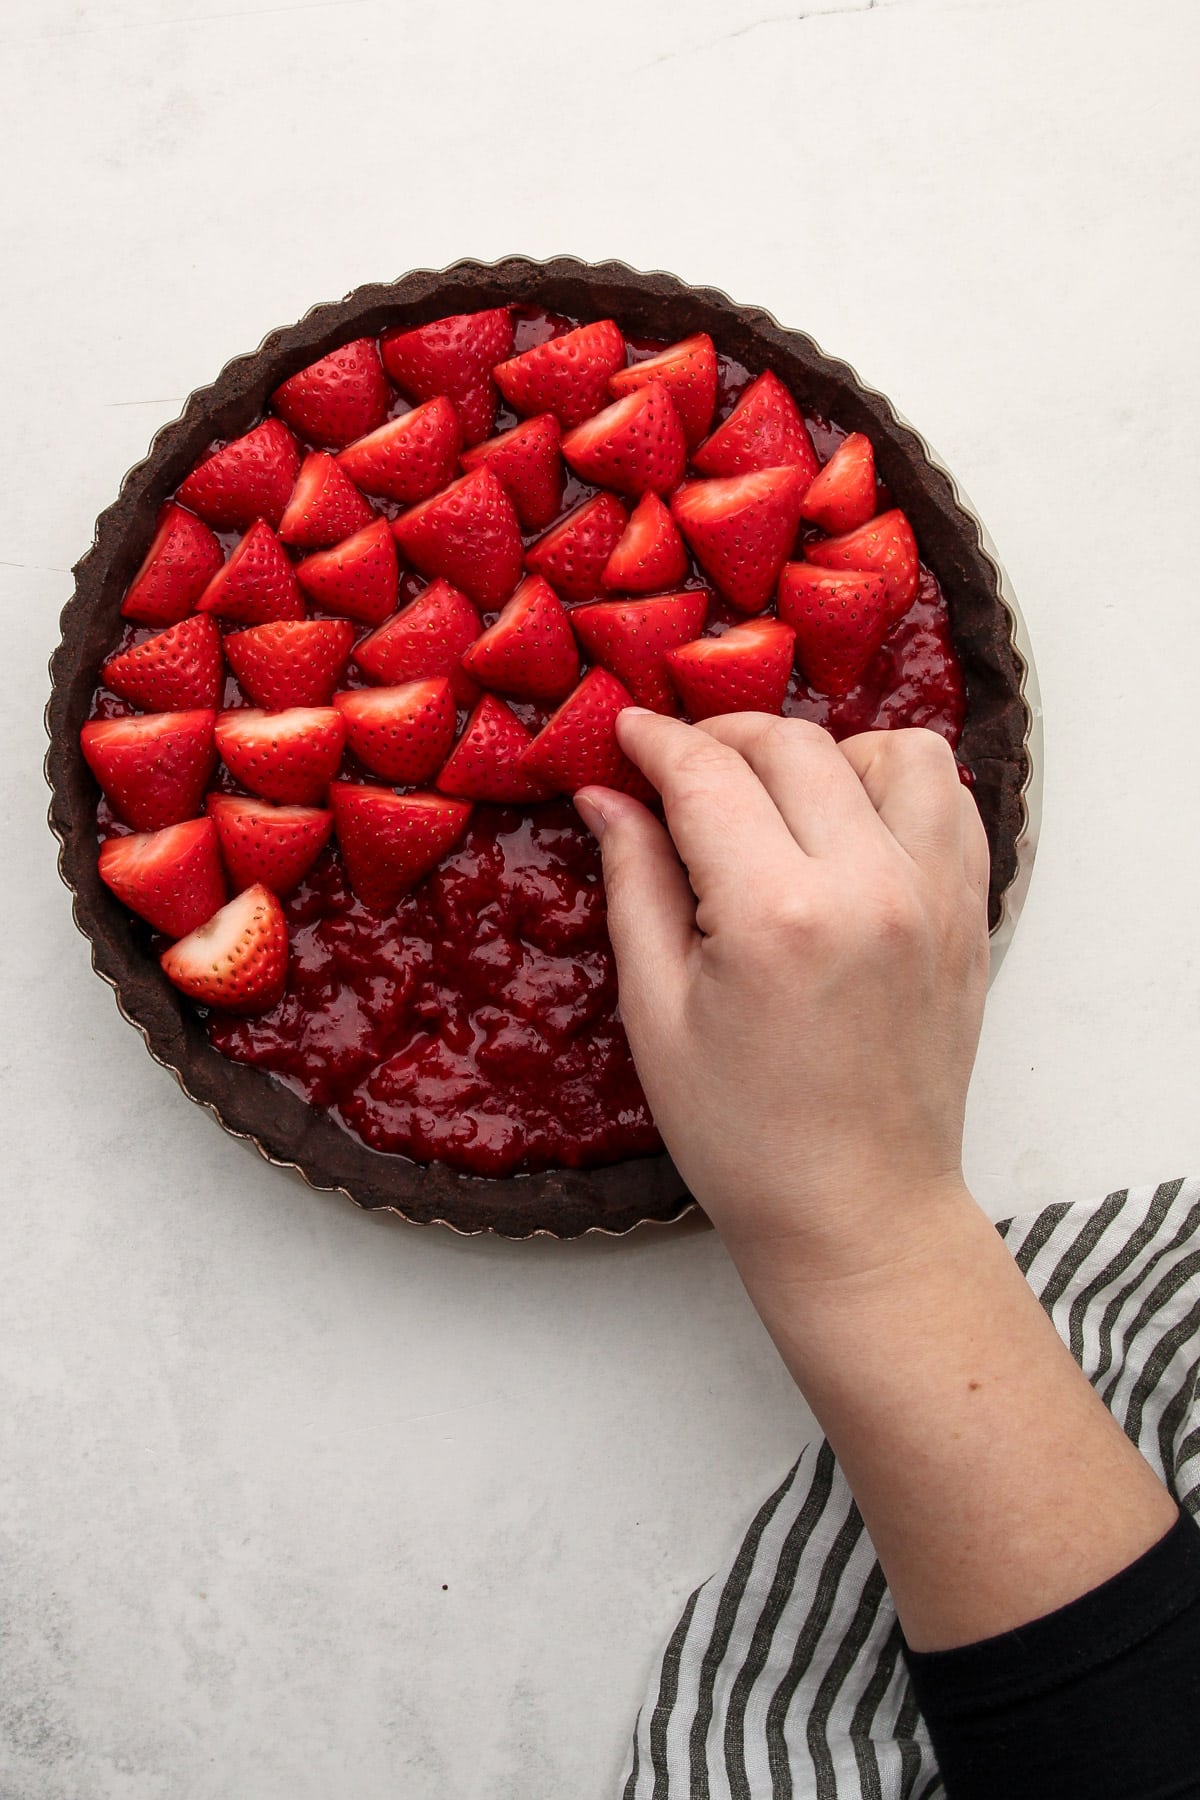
(848, 1250)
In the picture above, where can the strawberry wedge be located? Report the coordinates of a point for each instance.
(650, 554)
(765, 430)
(340, 397)
(886, 546)
(171, 878)
(390, 841)
(578, 746)
(257, 584)
(567, 376)
(153, 769)
(453, 356)
(250, 478)
(183, 557)
(843, 495)
(175, 671)
(840, 617)
(427, 637)
(401, 733)
(747, 669)
(358, 578)
(237, 960)
(742, 529)
(632, 637)
(688, 371)
(274, 845)
(527, 461)
(634, 446)
(530, 652)
(325, 506)
(573, 555)
(409, 458)
(289, 756)
(486, 763)
(469, 533)
(293, 662)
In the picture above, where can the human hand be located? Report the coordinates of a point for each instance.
(802, 966)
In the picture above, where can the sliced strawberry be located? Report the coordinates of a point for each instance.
(338, 398)
(567, 376)
(885, 545)
(238, 960)
(325, 506)
(294, 662)
(257, 584)
(572, 556)
(453, 356)
(182, 559)
(469, 534)
(427, 638)
(390, 841)
(843, 495)
(530, 651)
(172, 878)
(250, 478)
(274, 845)
(402, 733)
(649, 554)
(358, 578)
(747, 669)
(578, 745)
(840, 617)
(632, 637)
(765, 430)
(636, 445)
(527, 461)
(290, 756)
(175, 671)
(742, 529)
(688, 371)
(485, 764)
(409, 458)
(155, 768)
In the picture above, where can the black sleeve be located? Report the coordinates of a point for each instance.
(1098, 1701)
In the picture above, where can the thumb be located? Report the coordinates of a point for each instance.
(651, 908)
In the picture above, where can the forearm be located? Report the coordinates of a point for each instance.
(994, 1483)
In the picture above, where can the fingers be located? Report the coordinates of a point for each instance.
(725, 826)
(816, 791)
(651, 907)
(911, 779)
(977, 855)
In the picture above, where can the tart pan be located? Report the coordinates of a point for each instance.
(999, 742)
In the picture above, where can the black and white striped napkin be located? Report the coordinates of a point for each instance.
(783, 1680)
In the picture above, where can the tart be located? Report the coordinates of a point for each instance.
(361, 623)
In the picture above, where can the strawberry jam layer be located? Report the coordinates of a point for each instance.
(477, 1024)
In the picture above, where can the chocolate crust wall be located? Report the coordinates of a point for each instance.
(248, 1102)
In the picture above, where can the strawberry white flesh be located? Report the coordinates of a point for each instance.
(238, 959)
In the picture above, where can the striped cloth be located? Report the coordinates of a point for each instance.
(784, 1678)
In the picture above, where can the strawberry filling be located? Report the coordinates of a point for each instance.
(417, 649)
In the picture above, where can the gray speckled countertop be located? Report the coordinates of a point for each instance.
(296, 1504)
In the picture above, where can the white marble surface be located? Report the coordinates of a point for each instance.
(298, 1505)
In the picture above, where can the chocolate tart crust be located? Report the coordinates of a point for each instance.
(249, 1102)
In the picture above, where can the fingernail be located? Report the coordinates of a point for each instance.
(630, 712)
(591, 814)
